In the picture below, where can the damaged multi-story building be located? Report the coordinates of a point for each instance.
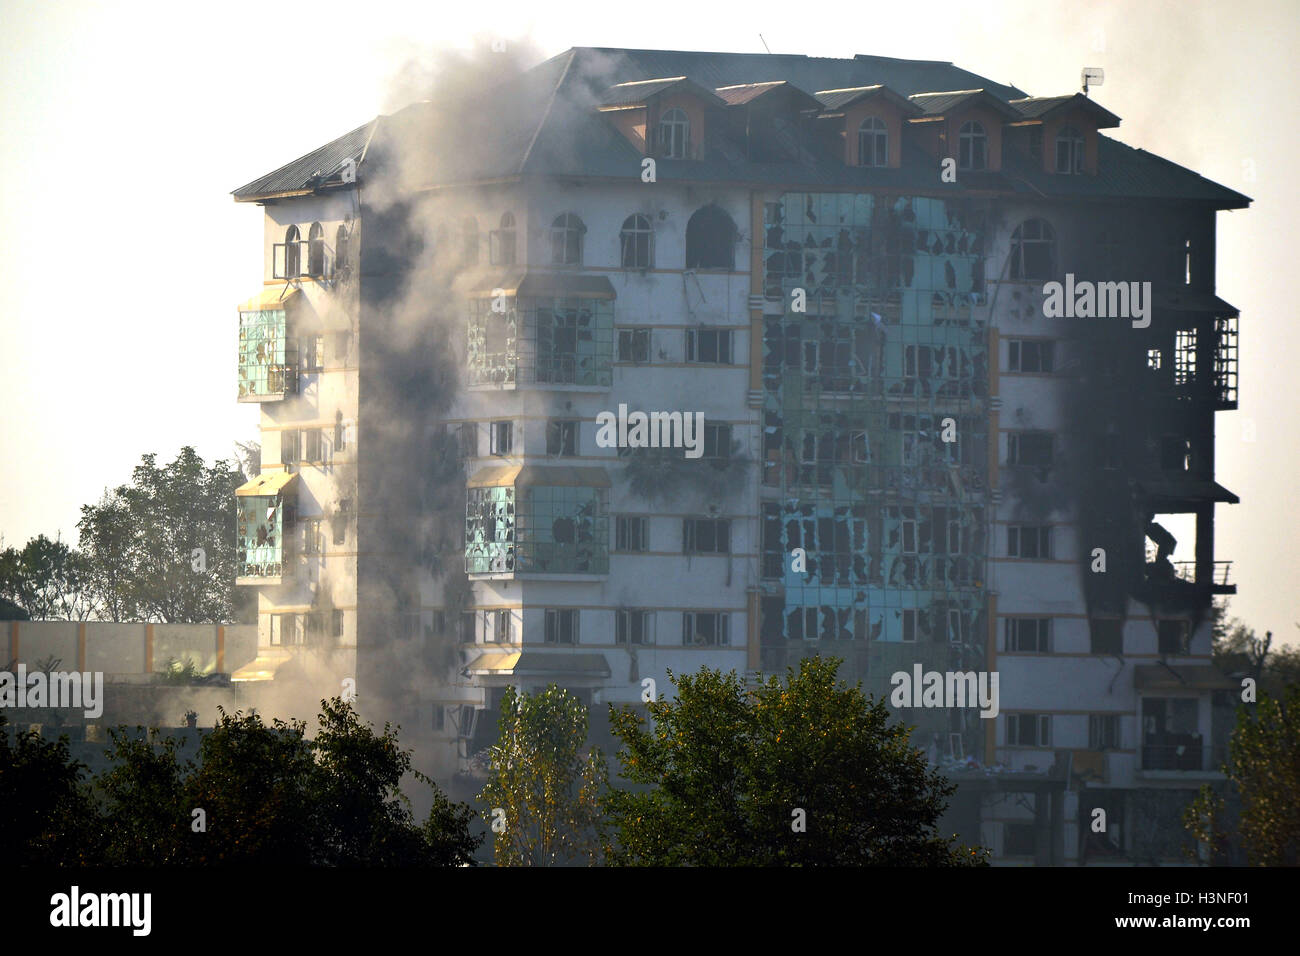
(905, 459)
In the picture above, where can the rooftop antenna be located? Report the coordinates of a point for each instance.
(764, 42)
(1092, 76)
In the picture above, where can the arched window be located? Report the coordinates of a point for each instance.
(674, 134)
(469, 239)
(292, 256)
(1069, 151)
(341, 263)
(972, 146)
(566, 240)
(710, 239)
(637, 241)
(316, 251)
(501, 243)
(1033, 250)
(873, 142)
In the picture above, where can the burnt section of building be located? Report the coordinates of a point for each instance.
(958, 355)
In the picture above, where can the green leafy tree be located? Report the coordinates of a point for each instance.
(48, 579)
(728, 770)
(1264, 767)
(141, 539)
(269, 796)
(545, 780)
(47, 817)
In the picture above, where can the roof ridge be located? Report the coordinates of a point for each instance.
(550, 104)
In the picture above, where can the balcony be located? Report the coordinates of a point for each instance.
(1180, 754)
(546, 521)
(265, 518)
(267, 363)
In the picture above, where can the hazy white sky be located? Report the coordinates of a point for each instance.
(125, 126)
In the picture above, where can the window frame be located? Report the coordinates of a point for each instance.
(970, 135)
(878, 131)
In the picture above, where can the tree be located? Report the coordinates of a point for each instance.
(47, 579)
(809, 772)
(163, 547)
(547, 788)
(46, 814)
(268, 795)
(1264, 767)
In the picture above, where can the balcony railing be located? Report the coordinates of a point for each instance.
(1193, 756)
(1225, 361)
(1218, 576)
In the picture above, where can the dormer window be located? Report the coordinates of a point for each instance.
(1069, 151)
(674, 134)
(873, 142)
(972, 146)
(566, 240)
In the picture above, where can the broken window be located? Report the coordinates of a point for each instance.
(631, 533)
(1029, 730)
(566, 240)
(467, 620)
(1033, 250)
(972, 146)
(637, 242)
(633, 627)
(286, 630)
(634, 346)
(574, 341)
(561, 626)
(1106, 635)
(1028, 635)
(708, 346)
(1185, 357)
(501, 242)
(674, 134)
(467, 440)
(1154, 359)
(1033, 449)
(1029, 541)
(290, 448)
(562, 437)
(316, 251)
(710, 239)
(1172, 635)
(1175, 453)
(262, 523)
(909, 625)
(339, 522)
(1069, 151)
(496, 626)
(311, 445)
(313, 539)
(1030, 355)
(705, 628)
(501, 438)
(313, 353)
(267, 363)
(340, 432)
(341, 263)
(292, 255)
(959, 626)
(706, 536)
(873, 142)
